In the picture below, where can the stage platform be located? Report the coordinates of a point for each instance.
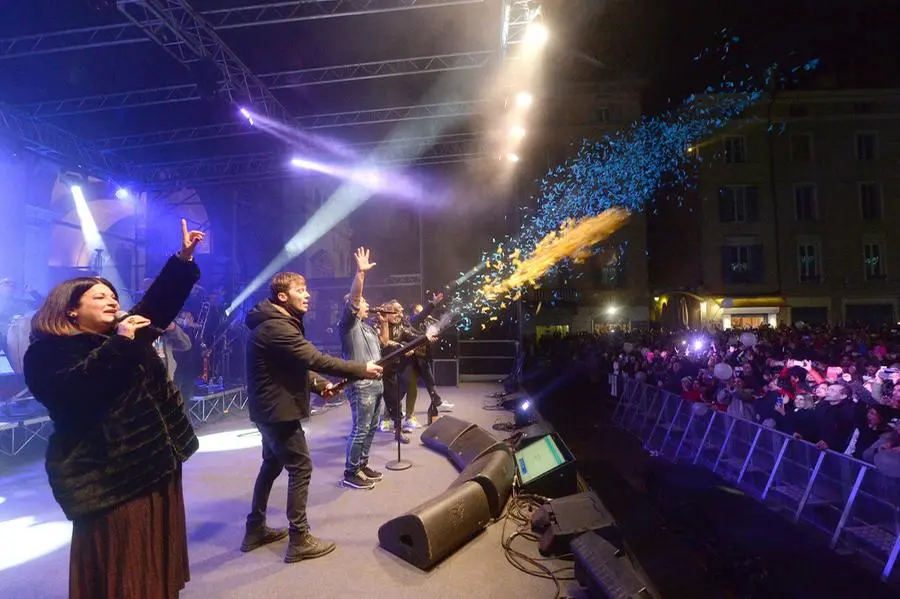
(218, 486)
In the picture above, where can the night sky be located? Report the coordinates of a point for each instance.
(857, 41)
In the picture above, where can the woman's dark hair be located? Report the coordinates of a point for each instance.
(52, 318)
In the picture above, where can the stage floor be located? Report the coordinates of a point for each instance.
(34, 536)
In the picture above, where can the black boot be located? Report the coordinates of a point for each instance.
(433, 413)
(304, 545)
(257, 536)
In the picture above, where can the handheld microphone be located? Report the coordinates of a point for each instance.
(122, 315)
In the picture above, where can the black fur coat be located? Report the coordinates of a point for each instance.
(119, 423)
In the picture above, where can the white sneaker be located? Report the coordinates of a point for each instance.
(411, 424)
(446, 407)
(387, 426)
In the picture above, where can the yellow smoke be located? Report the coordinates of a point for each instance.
(573, 240)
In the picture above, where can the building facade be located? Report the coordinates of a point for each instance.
(798, 205)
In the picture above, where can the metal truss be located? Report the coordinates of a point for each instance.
(517, 15)
(321, 121)
(186, 36)
(271, 165)
(282, 80)
(61, 146)
(257, 14)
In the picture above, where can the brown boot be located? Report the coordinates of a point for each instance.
(305, 546)
(257, 536)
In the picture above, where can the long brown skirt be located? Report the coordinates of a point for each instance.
(136, 551)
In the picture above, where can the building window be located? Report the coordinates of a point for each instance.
(805, 202)
(873, 256)
(801, 148)
(742, 263)
(738, 204)
(870, 201)
(603, 114)
(866, 146)
(610, 270)
(735, 150)
(808, 262)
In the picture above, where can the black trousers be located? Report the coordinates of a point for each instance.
(424, 366)
(284, 448)
(392, 393)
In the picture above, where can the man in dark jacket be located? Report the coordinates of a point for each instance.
(282, 367)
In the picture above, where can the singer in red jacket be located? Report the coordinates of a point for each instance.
(120, 433)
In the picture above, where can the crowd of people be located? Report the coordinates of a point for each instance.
(836, 387)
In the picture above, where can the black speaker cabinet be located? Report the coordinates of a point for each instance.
(471, 445)
(495, 471)
(432, 531)
(440, 435)
(562, 519)
(446, 373)
(546, 467)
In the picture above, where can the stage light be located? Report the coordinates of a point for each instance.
(246, 114)
(524, 99)
(512, 157)
(524, 415)
(537, 34)
(698, 345)
(517, 132)
(611, 310)
(122, 194)
(301, 163)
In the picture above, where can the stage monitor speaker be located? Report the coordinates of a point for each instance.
(603, 571)
(471, 445)
(443, 432)
(546, 467)
(446, 373)
(432, 531)
(495, 471)
(559, 520)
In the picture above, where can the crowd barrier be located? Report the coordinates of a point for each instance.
(851, 502)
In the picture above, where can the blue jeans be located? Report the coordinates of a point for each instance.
(365, 405)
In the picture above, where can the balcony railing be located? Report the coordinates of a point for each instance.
(853, 504)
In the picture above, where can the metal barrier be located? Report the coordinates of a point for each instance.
(851, 502)
(486, 360)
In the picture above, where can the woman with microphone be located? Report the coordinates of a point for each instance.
(120, 433)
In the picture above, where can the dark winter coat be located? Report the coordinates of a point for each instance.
(282, 366)
(119, 424)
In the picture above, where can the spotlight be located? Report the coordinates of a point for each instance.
(512, 157)
(246, 114)
(611, 310)
(698, 345)
(122, 194)
(300, 163)
(537, 34)
(524, 99)
(517, 132)
(524, 415)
